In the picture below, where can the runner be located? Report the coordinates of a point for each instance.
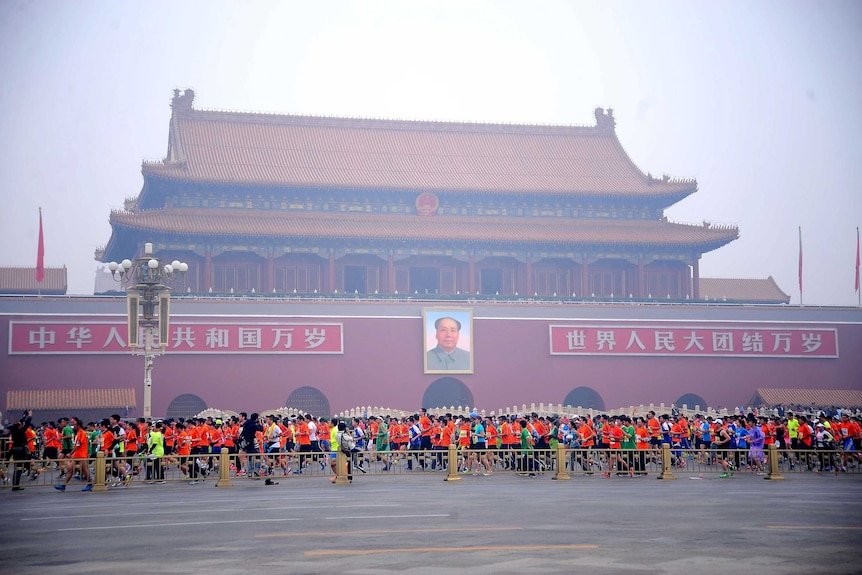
(78, 457)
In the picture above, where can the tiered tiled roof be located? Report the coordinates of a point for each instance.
(262, 224)
(70, 399)
(743, 290)
(351, 153)
(586, 167)
(816, 398)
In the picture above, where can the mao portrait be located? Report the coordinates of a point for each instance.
(448, 337)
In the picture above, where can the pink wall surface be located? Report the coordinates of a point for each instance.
(382, 359)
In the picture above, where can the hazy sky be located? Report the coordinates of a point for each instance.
(760, 101)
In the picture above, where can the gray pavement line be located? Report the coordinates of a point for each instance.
(95, 503)
(820, 527)
(175, 524)
(387, 516)
(217, 511)
(385, 531)
(331, 552)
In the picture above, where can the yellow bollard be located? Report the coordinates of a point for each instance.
(224, 469)
(774, 473)
(99, 484)
(341, 468)
(561, 463)
(666, 463)
(453, 465)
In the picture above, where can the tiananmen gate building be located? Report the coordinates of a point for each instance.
(323, 250)
(301, 204)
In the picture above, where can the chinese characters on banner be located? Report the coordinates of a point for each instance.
(694, 341)
(200, 338)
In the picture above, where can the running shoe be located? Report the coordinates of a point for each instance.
(60, 487)
(88, 487)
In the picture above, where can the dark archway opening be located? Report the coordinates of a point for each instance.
(585, 397)
(309, 400)
(185, 406)
(690, 400)
(447, 392)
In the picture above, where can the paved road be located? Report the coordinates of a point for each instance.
(423, 525)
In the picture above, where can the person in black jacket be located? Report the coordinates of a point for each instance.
(19, 453)
(247, 440)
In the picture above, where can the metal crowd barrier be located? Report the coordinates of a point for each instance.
(224, 469)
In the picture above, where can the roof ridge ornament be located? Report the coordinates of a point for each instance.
(605, 119)
(181, 103)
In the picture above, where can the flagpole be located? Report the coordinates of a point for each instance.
(858, 290)
(800, 265)
(40, 258)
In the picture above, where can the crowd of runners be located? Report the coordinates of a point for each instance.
(273, 445)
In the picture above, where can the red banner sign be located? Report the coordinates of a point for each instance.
(694, 341)
(28, 337)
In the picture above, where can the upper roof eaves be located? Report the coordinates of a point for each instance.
(244, 148)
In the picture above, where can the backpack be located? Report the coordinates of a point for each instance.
(346, 443)
(241, 443)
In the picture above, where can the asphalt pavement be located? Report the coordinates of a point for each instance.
(423, 525)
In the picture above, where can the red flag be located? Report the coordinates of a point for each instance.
(40, 253)
(857, 259)
(800, 261)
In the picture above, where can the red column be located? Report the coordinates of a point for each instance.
(585, 277)
(471, 273)
(640, 284)
(331, 268)
(529, 275)
(208, 271)
(695, 269)
(270, 272)
(391, 272)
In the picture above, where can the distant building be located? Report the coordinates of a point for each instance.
(14, 280)
(763, 291)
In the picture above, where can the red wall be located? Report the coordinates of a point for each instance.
(382, 363)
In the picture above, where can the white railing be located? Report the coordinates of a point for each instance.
(551, 409)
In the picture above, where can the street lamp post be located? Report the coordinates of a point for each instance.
(148, 300)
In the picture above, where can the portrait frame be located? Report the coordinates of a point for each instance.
(461, 359)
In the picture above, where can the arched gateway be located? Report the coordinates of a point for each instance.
(447, 391)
